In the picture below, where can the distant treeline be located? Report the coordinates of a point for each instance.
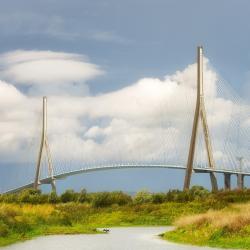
(105, 199)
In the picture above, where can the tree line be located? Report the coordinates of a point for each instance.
(105, 199)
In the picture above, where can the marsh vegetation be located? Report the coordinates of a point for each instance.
(31, 213)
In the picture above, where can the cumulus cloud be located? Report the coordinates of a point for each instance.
(148, 121)
(48, 72)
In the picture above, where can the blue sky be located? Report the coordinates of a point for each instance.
(130, 40)
(133, 39)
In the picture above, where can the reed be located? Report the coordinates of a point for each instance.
(229, 228)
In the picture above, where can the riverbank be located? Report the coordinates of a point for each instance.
(133, 238)
(19, 222)
(227, 228)
(30, 213)
(24, 221)
(44, 231)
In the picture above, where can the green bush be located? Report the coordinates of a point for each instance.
(143, 197)
(158, 198)
(82, 196)
(4, 229)
(32, 196)
(21, 226)
(53, 198)
(104, 199)
(69, 196)
(101, 200)
(120, 198)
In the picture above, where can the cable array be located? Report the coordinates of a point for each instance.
(161, 138)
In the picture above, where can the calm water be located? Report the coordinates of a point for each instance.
(136, 238)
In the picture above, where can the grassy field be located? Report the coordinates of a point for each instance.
(24, 221)
(31, 213)
(227, 228)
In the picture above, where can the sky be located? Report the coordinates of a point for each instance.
(108, 68)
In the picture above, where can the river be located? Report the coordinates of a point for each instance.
(124, 238)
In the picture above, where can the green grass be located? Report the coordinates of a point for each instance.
(45, 230)
(227, 228)
(31, 214)
(204, 237)
(20, 222)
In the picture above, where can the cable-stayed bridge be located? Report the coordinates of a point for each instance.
(192, 120)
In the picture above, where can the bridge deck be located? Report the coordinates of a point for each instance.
(59, 176)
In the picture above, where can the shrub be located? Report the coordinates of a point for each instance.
(4, 230)
(120, 198)
(21, 224)
(199, 192)
(53, 198)
(32, 196)
(104, 199)
(68, 196)
(143, 197)
(172, 195)
(82, 196)
(101, 200)
(9, 198)
(158, 198)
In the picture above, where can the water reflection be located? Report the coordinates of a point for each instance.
(131, 238)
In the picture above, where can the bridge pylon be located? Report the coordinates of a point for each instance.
(200, 114)
(44, 148)
(240, 176)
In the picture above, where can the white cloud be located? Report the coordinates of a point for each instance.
(150, 120)
(9, 95)
(46, 67)
(48, 72)
(108, 36)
